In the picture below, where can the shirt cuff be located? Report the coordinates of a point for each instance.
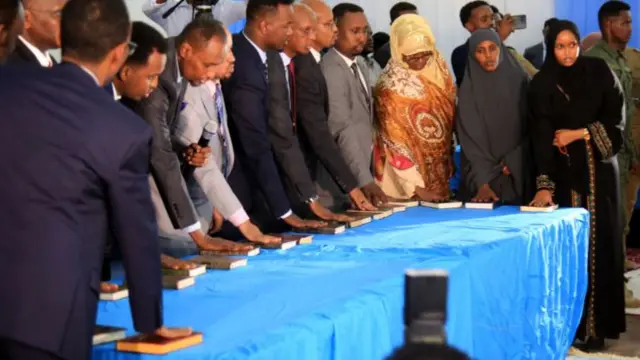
(287, 214)
(191, 228)
(239, 217)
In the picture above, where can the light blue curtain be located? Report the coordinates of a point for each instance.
(584, 13)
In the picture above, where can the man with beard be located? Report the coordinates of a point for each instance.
(11, 22)
(350, 102)
(614, 18)
(41, 32)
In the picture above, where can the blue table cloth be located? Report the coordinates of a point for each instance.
(517, 285)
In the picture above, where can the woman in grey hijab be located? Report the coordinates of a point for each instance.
(490, 121)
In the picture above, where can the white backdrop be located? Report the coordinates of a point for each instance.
(443, 17)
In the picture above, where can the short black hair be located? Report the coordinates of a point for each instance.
(340, 10)
(146, 40)
(90, 29)
(609, 9)
(495, 10)
(200, 31)
(379, 39)
(255, 8)
(399, 8)
(413, 351)
(465, 11)
(9, 12)
(549, 22)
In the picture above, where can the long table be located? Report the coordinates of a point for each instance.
(517, 285)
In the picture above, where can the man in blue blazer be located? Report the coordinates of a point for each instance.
(255, 178)
(83, 171)
(11, 22)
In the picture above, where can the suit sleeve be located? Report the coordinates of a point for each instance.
(284, 140)
(135, 230)
(312, 119)
(165, 166)
(458, 63)
(251, 126)
(339, 125)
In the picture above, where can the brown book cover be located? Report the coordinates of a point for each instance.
(393, 208)
(174, 282)
(332, 228)
(119, 294)
(106, 334)
(284, 244)
(376, 214)
(219, 262)
(157, 345)
(197, 271)
(252, 252)
(359, 221)
(299, 238)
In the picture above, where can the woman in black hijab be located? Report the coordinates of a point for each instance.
(491, 124)
(576, 117)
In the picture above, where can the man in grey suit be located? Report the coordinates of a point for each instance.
(205, 110)
(190, 57)
(536, 53)
(350, 102)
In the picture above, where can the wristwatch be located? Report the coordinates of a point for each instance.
(312, 199)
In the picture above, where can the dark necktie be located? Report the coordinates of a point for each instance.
(292, 92)
(221, 129)
(354, 68)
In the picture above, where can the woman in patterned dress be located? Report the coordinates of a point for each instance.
(576, 118)
(415, 105)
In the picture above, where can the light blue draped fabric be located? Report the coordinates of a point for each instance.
(237, 26)
(584, 13)
(516, 290)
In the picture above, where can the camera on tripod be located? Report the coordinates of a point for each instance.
(203, 7)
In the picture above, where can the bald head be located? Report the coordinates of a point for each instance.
(326, 30)
(42, 23)
(590, 40)
(303, 11)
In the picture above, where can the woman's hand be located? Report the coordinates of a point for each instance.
(543, 198)
(430, 196)
(565, 137)
(485, 195)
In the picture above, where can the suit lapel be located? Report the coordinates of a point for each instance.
(252, 52)
(353, 81)
(209, 104)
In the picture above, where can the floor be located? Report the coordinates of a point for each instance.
(629, 343)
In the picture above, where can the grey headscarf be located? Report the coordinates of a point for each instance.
(490, 120)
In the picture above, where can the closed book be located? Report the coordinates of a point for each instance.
(119, 294)
(252, 252)
(219, 262)
(358, 221)
(480, 206)
(332, 228)
(106, 334)
(376, 214)
(283, 245)
(299, 238)
(394, 208)
(538, 209)
(442, 205)
(177, 282)
(405, 203)
(157, 345)
(197, 271)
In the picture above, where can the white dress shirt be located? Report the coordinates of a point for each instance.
(44, 58)
(316, 54)
(350, 62)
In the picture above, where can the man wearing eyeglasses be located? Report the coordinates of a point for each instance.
(41, 32)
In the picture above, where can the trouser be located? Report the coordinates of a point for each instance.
(175, 242)
(13, 350)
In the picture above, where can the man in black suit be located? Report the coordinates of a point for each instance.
(190, 58)
(87, 173)
(536, 53)
(318, 144)
(11, 23)
(255, 178)
(41, 32)
(283, 118)
(383, 54)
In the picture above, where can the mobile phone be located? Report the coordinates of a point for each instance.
(519, 22)
(425, 306)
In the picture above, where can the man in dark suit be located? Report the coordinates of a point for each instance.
(536, 53)
(41, 32)
(319, 146)
(383, 54)
(190, 57)
(256, 181)
(88, 175)
(11, 23)
(283, 118)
